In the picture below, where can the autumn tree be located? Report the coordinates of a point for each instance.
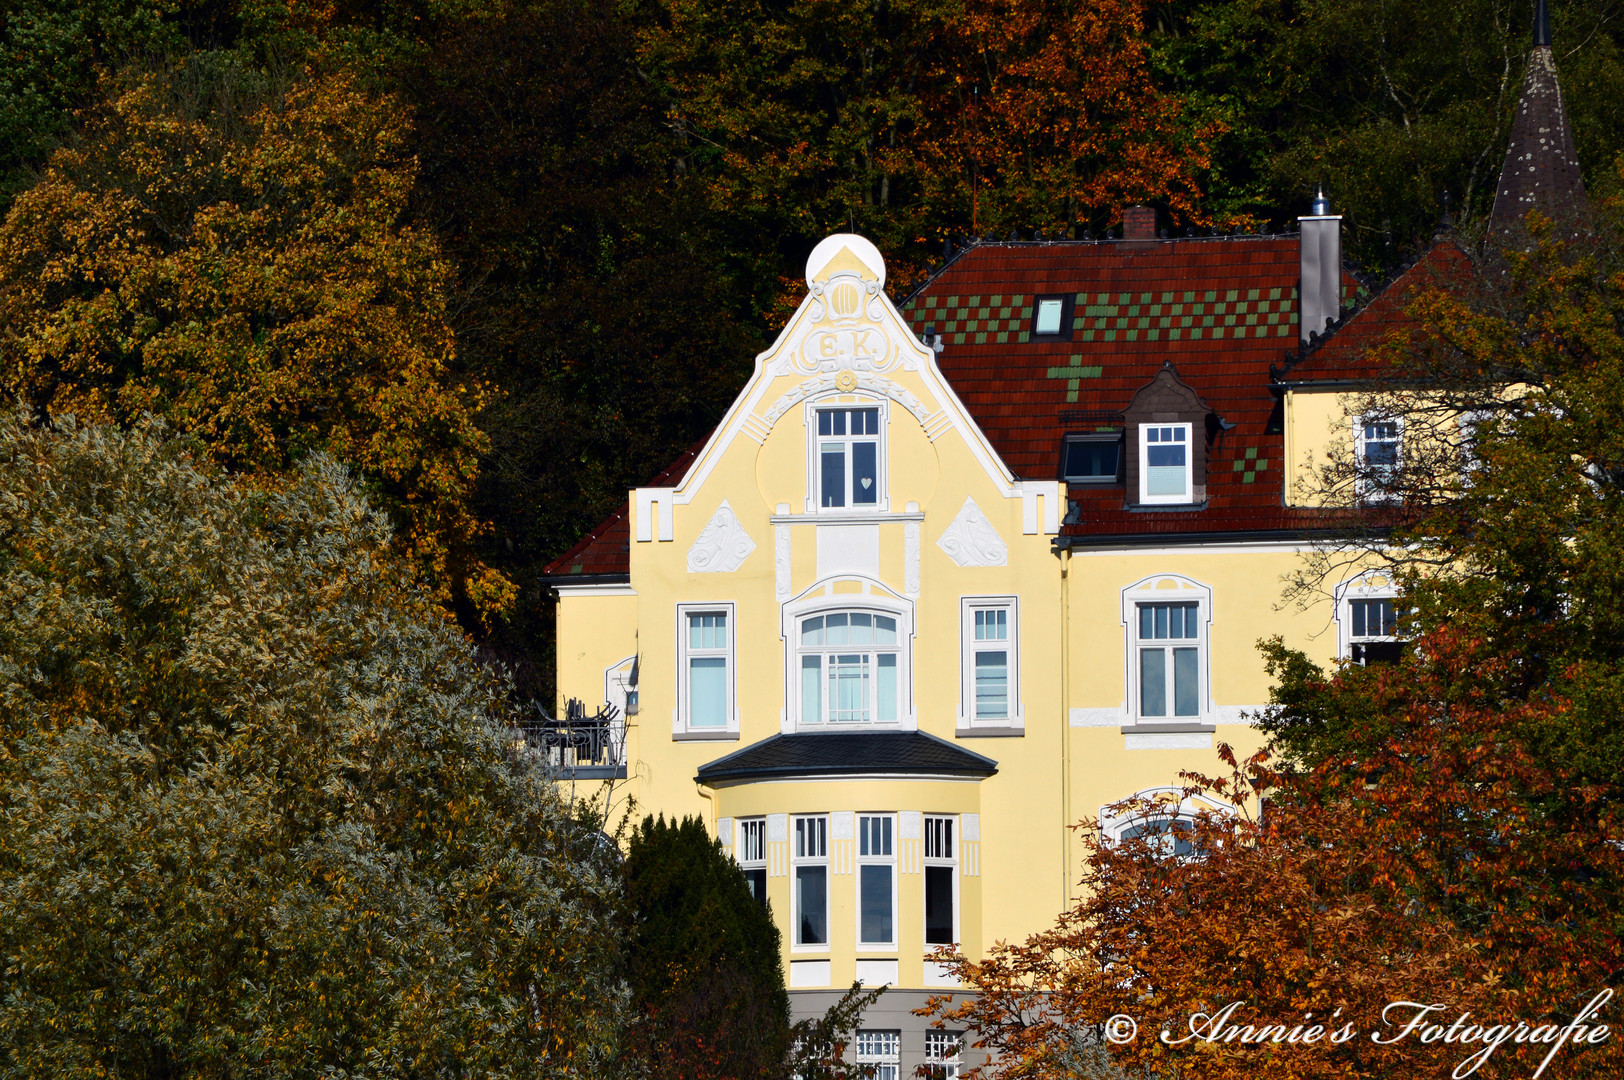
(906, 122)
(224, 248)
(1444, 829)
(259, 815)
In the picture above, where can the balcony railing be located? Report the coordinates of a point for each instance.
(579, 745)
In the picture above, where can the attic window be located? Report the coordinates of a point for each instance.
(1048, 321)
(1091, 459)
(1051, 318)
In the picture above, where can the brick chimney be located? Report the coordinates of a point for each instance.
(1139, 223)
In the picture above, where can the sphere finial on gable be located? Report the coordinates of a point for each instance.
(845, 253)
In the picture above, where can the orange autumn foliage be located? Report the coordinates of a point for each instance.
(1446, 865)
(224, 249)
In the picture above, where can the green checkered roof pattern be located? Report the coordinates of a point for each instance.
(1166, 316)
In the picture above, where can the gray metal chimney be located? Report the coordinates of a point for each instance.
(1319, 290)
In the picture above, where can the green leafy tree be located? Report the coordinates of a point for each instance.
(258, 814)
(703, 959)
(225, 248)
(1389, 105)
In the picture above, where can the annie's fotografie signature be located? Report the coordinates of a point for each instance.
(1402, 1021)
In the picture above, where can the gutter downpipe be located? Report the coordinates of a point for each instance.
(1065, 723)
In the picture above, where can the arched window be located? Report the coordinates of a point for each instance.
(849, 667)
(847, 656)
(1164, 818)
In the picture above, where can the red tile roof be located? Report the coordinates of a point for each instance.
(606, 550)
(1222, 310)
(1348, 352)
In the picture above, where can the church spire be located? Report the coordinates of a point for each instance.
(1541, 169)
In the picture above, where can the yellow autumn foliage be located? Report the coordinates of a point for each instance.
(224, 248)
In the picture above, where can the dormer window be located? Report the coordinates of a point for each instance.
(1091, 459)
(1164, 463)
(848, 458)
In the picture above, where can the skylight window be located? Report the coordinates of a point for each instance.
(1049, 316)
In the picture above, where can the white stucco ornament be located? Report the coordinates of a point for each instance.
(722, 546)
(844, 253)
(971, 540)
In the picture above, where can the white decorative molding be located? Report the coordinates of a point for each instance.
(877, 972)
(874, 384)
(807, 974)
(910, 824)
(647, 500)
(939, 974)
(777, 828)
(971, 540)
(724, 831)
(848, 549)
(723, 545)
(1190, 740)
(1052, 497)
(1237, 714)
(1113, 717)
(842, 825)
(910, 558)
(781, 582)
(970, 824)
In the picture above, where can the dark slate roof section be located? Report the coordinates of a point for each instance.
(847, 754)
(1541, 169)
(605, 552)
(1222, 310)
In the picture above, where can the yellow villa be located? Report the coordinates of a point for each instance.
(955, 574)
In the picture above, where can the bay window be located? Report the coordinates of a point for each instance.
(811, 886)
(941, 881)
(876, 881)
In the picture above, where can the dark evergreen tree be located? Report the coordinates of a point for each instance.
(706, 980)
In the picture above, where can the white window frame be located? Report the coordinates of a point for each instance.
(933, 845)
(1371, 585)
(819, 822)
(1366, 491)
(814, 454)
(937, 1045)
(1174, 589)
(1178, 803)
(969, 647)
(1188, 497)
(821, 599)
(881, 1050)
(886, 826)
(750, 849)
(681, 722)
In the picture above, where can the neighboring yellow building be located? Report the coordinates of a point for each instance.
(953, 576)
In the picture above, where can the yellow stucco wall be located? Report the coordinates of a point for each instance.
(1068, 758)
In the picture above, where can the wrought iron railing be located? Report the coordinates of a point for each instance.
(576, 741)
